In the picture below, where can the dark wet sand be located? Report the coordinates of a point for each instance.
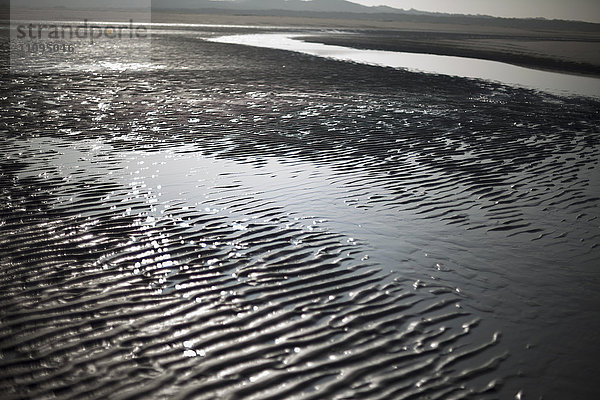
(573, 55)
(254, 223)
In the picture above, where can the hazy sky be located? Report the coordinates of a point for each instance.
(585, 10)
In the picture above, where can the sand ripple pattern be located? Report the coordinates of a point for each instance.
(151, 249)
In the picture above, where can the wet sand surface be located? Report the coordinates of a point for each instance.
(236, 222)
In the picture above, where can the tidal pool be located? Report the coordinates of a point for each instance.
(504, 73)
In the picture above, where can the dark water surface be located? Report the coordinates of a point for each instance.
(236, 222)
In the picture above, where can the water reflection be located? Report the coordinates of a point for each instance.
(233, 229)
(563, 84)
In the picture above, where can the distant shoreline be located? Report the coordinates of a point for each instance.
(573, 47)
(548, 55)
(565, 50)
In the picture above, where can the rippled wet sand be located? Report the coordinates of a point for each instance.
(249, 223)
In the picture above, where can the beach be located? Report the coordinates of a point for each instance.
(229, 221)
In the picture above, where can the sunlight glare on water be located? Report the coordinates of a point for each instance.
(226, 227)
